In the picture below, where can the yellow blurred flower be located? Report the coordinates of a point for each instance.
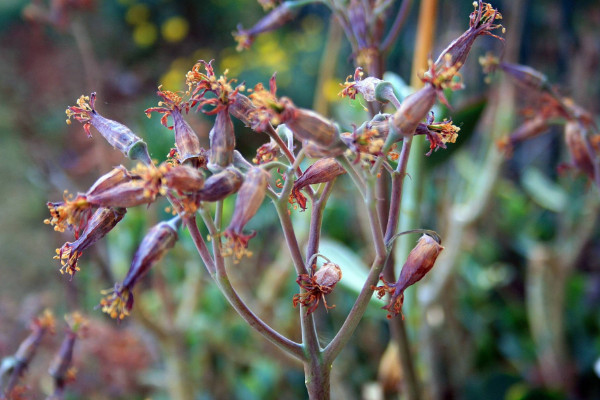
(175, 29)
(145, 34)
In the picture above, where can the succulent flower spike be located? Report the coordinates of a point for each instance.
(247, 203)
(275, 19)
(419, 262)
(221, 185)
(323, 170)
(481, 22)
(317, 286)
(119, 301)
(438, 133)
(117, 134)
(102, 222)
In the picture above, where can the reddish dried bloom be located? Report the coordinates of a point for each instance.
(266, 153)
(222, 142)
(323, 170)
(419, 262)
(72, 213)
(438, 133)
(369, 138)
(115, 133)
(184, 179)
(317, 286)
(481, 23)
(273, 20)
(247, 203)
(200, 83)
(221, 185)
(102, 222)
(119, 301)
(241, 108)
(444, 76)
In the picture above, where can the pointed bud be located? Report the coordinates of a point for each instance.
(221, 185)
(324, 170)
(419, 262)
(102, 222)
(222, 142)
(115, 133)
(184, 179)
(155, 244)
(412, 111)
(247, 203)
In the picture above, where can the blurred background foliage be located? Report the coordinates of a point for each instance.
(486, 335)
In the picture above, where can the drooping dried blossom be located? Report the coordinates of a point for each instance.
(109, 180)
(186, 140)
(419, 262)
(317, 286)
(323, 170)
(369, 138)
(273, 20)
(222, 142)
(200, 83)
(267, 107)
(222, 184)
(119, 301)
(115, 133)
(61, 368)
(309, 125)
(183, 179)
(481, 23)
(527, 130)
(247, 203)
(242, 108)
(102, 222)
(413, 110)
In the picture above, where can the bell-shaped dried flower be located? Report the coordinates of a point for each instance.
(419, 262)
(119, 301)
(523, 75)
(115, 133)
(184, 179)
(309, 125)
(413, 110)
(313, 150)
(221, 185)
(109, 180)
(222, 142)
(242, 108)
(323, 170)
(481, 22)
(247, 203)
(317, 286)
(273, 20)
(101, 222)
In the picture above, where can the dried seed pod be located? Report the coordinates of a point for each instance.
(222, 142)
(221, 185)
(419, 262)
(324, 170)
(242, 108)
(101, 222)
(186, 140)
(155, 244)
(125, 195)
(249, 199)
(115, 133)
